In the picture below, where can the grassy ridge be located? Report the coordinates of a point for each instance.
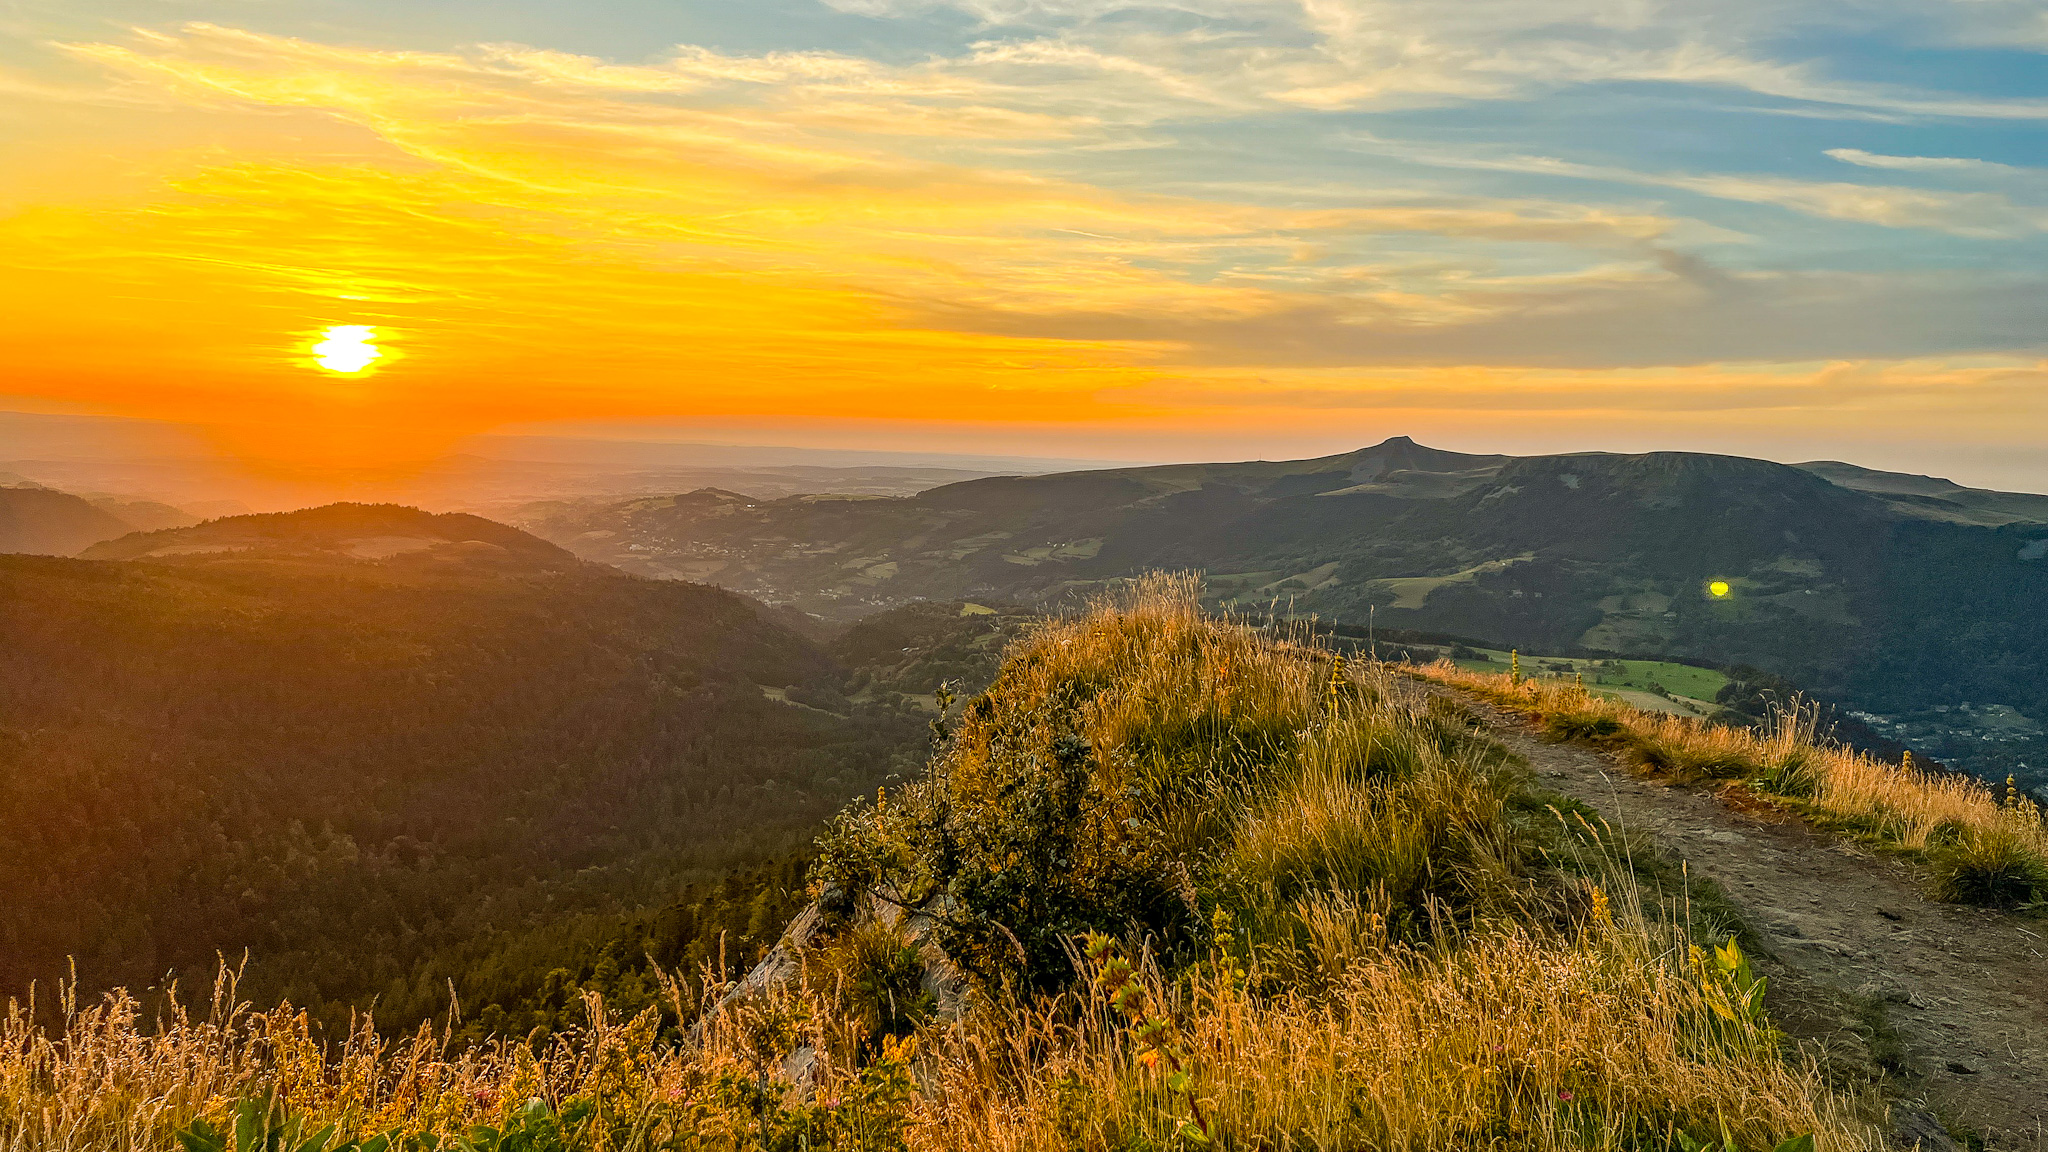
(1979, 848)
(1178, 884)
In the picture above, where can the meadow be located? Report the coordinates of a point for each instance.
(1172, 882)
(1686, 680)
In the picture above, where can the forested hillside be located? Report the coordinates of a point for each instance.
(35, 519)
(377, 775)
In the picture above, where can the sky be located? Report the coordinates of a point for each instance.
(1201, 229)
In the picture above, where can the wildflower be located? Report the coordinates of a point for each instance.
(1565, 1096)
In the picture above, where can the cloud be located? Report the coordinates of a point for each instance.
(1836, 388)
(1376, 54)
(1978, 214)
(1862, 159)
(1691, 314)
(1974, 214)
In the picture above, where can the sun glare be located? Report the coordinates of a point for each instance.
(346, 348)
(1719, 588)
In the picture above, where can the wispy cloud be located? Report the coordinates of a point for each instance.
(1371, 54)
(1862, 159)
(1975, 214)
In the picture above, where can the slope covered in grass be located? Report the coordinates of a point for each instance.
(1979, 847)
(1171, 883)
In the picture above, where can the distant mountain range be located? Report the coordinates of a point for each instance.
(1895, 592)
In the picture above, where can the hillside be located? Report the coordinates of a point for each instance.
(1934, 498)
(144, 515)
(385, 538)
(39, 520)
(1895, 594)
(377, 774)
(1171, 882)
(1874, 957)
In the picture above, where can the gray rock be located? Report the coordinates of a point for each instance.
(1916, 1131)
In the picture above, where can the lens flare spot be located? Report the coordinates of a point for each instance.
(1718, 589)
(346, 349)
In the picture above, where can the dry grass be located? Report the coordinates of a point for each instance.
(1511, 1041)
(106, 1080)
(1981, 849)
(1358, 964)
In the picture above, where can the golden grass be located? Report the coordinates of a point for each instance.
(1304, 812)
(1960, 823)
(109, 1082)
(1511, 1041)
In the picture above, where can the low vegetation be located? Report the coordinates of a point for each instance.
(1980, 847)
(1171, 883)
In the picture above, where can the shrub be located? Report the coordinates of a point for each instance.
(874, 980)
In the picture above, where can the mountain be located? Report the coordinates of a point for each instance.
(145, 515)
(1894, 593)
(1931, 497)
(36, 519)
(388, 536)
(378, 748)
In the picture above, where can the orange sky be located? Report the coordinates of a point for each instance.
(540, 237)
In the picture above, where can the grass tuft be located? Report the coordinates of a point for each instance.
(1994, 867)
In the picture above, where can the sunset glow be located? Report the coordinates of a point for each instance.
(1243, 223)
(346, 349)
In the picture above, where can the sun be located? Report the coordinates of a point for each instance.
(1718, 588)
(346, 349)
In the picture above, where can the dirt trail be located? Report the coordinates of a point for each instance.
(1966, 990)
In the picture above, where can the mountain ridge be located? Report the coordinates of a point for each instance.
(39, 520)
(1889, 592)
(341, 533)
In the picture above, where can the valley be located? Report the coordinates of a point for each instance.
(1891, 595)
(384, 750)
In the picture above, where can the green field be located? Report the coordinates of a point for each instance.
(1641, 675)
